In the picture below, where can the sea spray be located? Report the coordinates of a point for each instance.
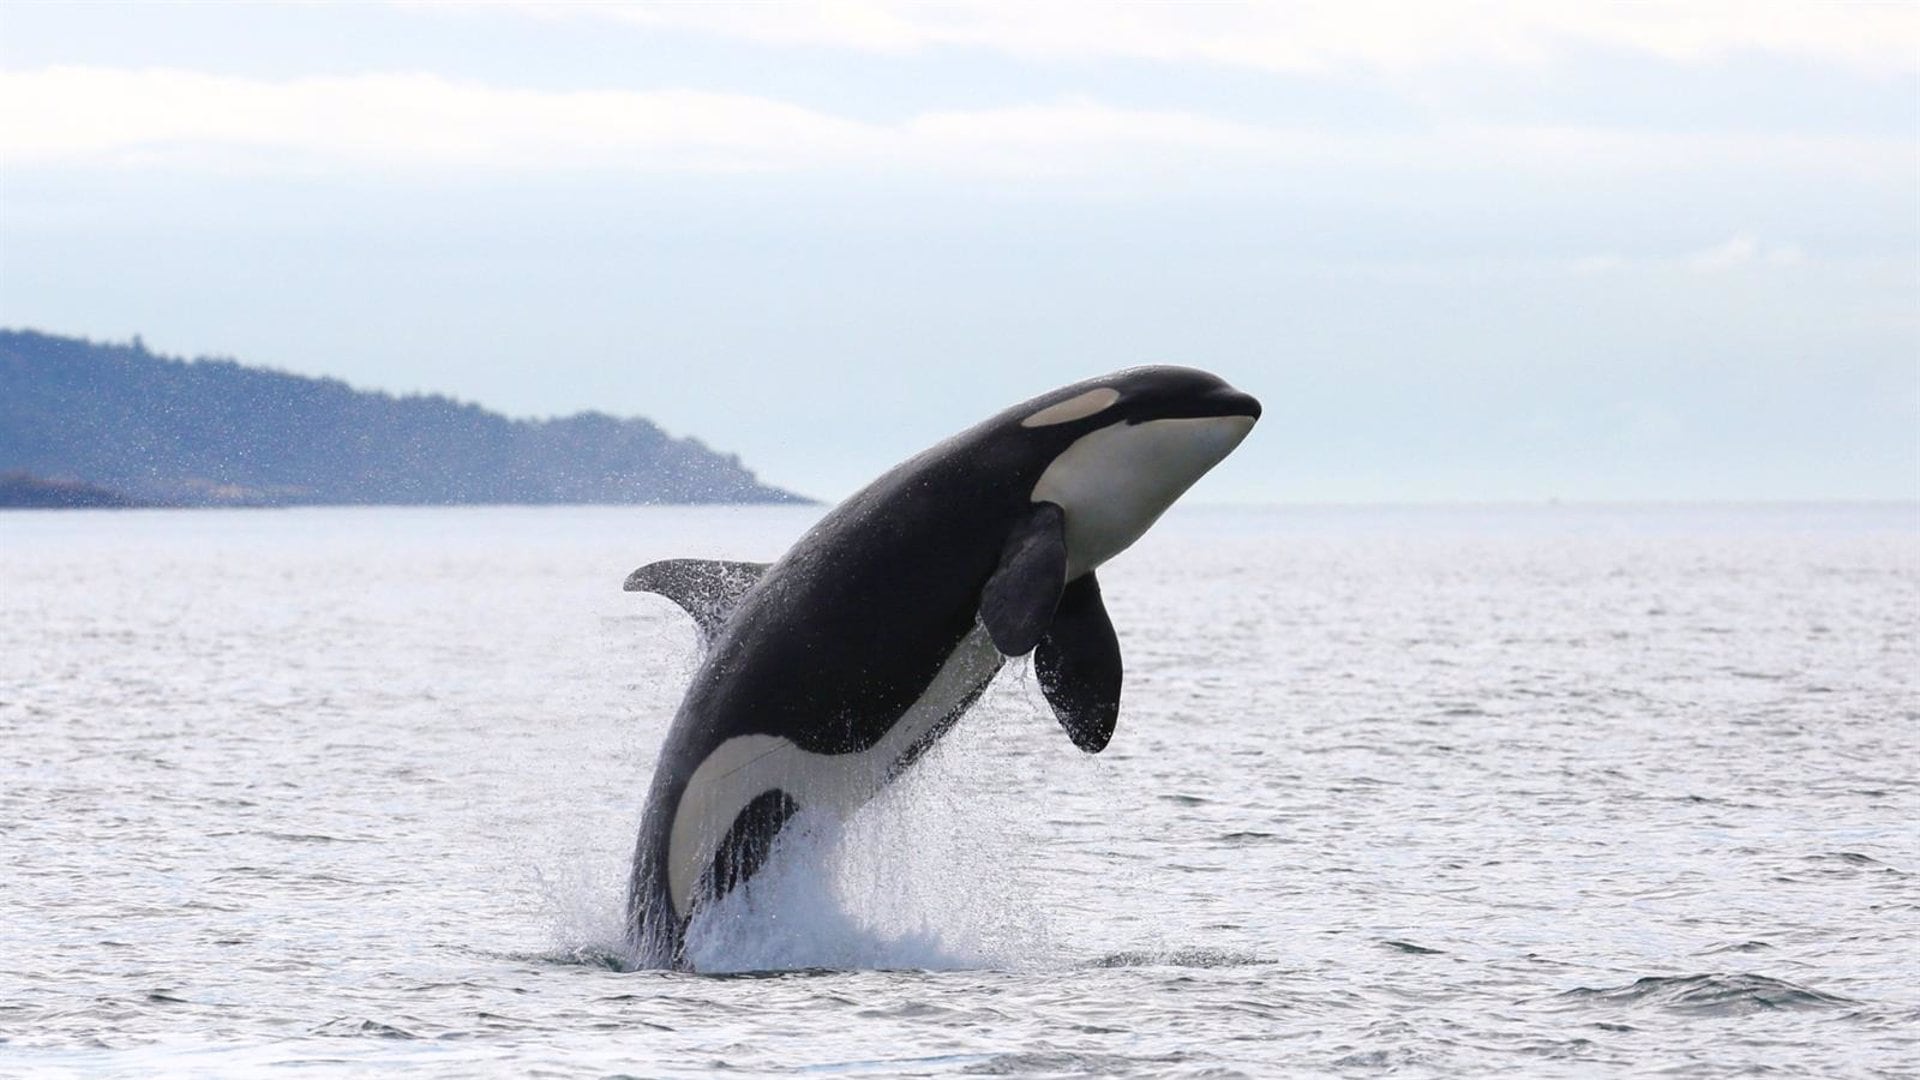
(936, 873)
(943, 870)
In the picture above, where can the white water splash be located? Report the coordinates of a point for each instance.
(931, 875)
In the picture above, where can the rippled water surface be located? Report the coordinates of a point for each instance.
(1541, 791)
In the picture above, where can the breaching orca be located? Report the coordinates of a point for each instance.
(830, 671)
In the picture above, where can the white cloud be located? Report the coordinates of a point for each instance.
(1786, 255)
(1318, 36)
(139, 118)
(410, 121)
(397, 120)
(1075, 137)
(1594, 265)
(1740, 250)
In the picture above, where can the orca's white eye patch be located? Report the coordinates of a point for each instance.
(1074, 408)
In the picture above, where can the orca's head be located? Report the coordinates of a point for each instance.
(1126, 446)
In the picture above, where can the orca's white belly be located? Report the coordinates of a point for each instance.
(745, 767)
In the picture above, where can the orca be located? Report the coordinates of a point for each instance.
(829, 672)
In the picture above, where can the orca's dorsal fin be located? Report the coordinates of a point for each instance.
(708, 589)
(1078, 663)
(1017, 604)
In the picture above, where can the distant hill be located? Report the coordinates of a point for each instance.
(116, 423)
(23, 490)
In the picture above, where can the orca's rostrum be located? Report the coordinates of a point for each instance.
(830, 671)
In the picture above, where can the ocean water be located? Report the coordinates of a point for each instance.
(1422, 792)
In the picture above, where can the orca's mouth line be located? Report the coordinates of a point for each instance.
(1226, 414)
(1235, 405)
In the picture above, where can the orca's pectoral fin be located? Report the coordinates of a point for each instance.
(708, 589)
(1079, 666)
(1018, 602)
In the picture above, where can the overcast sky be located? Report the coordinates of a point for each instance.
(1477, 251)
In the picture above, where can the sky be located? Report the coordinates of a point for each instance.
(1474, 252)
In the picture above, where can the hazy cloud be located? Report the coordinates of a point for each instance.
(1742, 249)
(1739, 250)
(144, 117)
(1309, 37)
(1599, 264)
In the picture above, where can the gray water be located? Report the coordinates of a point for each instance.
(1550, 791)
